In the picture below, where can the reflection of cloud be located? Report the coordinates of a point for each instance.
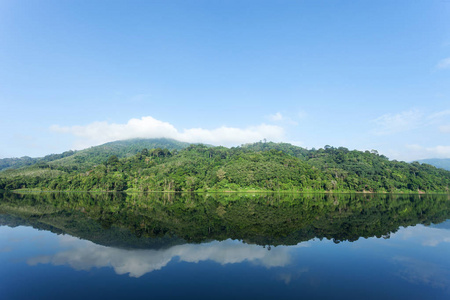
(427, 236)
(5, 249)
(422, 272)
(84, 255)
(288, 277)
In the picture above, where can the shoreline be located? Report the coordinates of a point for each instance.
(229, 192)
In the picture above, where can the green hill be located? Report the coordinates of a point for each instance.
(83, 160)
(87, 158)
(259, 166)
(19, 162)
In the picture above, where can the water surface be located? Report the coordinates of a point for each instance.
(112, 246)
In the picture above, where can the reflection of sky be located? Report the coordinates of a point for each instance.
(412, 264)
(430, 268)
(422, 272)
(426, 236)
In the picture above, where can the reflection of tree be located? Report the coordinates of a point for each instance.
(161, 220)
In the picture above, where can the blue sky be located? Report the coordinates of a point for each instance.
(359, 74)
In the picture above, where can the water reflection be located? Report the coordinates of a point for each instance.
(157, 221)
(316, 246)
(84, 255)
(426, 236)
(423, 272)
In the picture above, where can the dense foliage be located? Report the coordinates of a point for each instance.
(84, 159)
(163, 219)
(260, 166)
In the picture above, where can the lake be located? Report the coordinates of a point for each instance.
(224, 246)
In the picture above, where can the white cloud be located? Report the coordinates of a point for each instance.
(394, 123)
(416, 152)
(85, 255)
(412, 119)
(445, 128)
(440, 151)
(444, 64)
(148, 127)
(276, 117)
(439, 115)
(279, 117)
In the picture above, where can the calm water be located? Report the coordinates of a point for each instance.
(262, 246)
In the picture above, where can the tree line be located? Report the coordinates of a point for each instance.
(263, 166)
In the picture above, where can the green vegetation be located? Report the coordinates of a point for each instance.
(84, 159)
(255, 167)
(160, 220)
(14, 163)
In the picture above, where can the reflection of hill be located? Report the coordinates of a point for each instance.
(162, 220)
(443, 225)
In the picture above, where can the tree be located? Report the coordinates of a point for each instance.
(112, 160)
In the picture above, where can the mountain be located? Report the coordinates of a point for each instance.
(16, 162)
(443, 163)
(85, 159)
(258, 167)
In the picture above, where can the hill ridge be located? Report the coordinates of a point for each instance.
(119, 148)
(262, 166)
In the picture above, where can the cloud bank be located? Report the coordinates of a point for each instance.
(148, 127)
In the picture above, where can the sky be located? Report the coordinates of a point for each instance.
(358, 74)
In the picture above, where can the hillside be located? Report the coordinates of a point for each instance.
(443, 163)
(259, 166)
(83, 160)
(19, 162)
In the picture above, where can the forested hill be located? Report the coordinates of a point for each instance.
(259, 166)
(84, 159)
(19, 162)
